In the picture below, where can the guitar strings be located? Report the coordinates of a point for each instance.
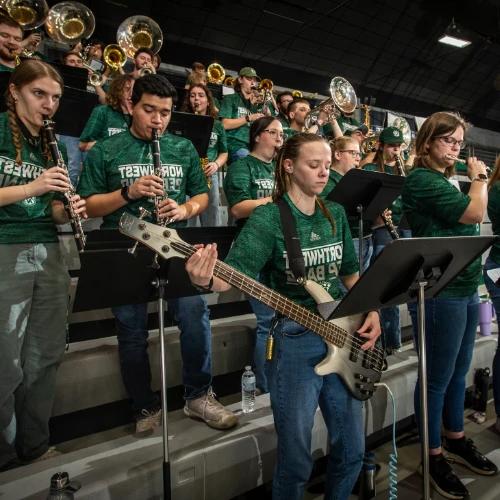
(339, 335)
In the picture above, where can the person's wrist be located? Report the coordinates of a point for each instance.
(125, 192)
(205, 288)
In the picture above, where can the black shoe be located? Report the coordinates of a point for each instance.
(444, 480)
(462, 451)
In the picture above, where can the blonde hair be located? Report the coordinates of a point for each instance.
(27, 72)
(341, 143)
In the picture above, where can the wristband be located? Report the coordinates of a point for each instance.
(124, 193)
(480, 178)
(247, 118)
(207, 288)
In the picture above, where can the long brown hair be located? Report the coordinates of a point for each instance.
(439, 124)
(211, 108)
(115, 94)
(291, 151)
(28, 71)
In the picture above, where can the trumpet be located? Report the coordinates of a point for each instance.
(229, 81)
(297, 93)
(216, 73)
(74, 218)
(147, 70)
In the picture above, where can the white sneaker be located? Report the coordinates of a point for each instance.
(148, 421)
(208, 409)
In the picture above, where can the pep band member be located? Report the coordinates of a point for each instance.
(249, 183)
(114, 183)
(346, 156)
(302, 169)
(493, 262)
(11, 37)
(34, 281)
(112, 118)
(199, 100)
(434, 207)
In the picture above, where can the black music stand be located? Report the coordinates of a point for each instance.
(111, 276)
(366, 195)
(196, 128)
(407, 270)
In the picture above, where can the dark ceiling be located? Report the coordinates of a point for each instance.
(386, 49)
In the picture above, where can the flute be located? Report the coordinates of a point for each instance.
(74, 218)
(449, 156)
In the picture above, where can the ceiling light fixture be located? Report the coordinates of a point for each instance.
(453, 36)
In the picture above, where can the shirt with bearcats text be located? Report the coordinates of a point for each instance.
(121, 159)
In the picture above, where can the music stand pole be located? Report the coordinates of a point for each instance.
(359, 208)
(160, 284)
(422, 375)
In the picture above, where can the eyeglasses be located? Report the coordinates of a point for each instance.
(274, 133)
(355, 154)
(451, 141)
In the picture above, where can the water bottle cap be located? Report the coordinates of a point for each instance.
(248, 368)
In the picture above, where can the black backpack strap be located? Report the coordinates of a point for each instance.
(292, 242)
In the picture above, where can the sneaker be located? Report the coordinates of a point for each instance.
(444, 480)
(50, 453)
(463, 451)
(208, 409)
(148, 420)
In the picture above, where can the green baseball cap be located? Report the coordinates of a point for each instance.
(248, 72)
(391, 135)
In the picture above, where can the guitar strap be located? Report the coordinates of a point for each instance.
(292, 242)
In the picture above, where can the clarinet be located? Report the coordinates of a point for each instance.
(158, 171)
(74, 218)
(390, 226)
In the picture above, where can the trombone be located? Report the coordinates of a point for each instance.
(343, 100)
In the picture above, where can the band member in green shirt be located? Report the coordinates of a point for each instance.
(119, 177)
(238, 111)
(199, 100)
(296, 390)
(112, 118)
(249, 183)
(11, 37)
(434, 207)
(283, 100)
(34, 280)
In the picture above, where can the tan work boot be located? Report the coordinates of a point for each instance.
(148, 421)
(208, 409)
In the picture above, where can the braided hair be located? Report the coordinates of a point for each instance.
(291, 151)
(27, 72)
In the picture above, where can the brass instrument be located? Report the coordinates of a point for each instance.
(138, 32)
(264, 92)
(216, 73)
(402, 124)
(147, 70)
(114, 56)
(369, 144)
(297, 93)
(203, 163)
(74, 218)
(30, 14)
(400, 166)
(70, 22)
(343, 100)
(229, 81)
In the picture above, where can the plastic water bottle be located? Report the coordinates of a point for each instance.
(248, 390)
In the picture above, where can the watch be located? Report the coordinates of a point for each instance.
(124, 193)
(207, 288)
(480, 178)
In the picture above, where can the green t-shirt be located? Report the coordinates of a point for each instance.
(494, 215)
(289, 132)
(248, 179)
(260, 250)
(104, 122)
(218, 141)
(29, 220)
(396, 207)
(285, 122)
(433, 207)
(235, 106)
(121, 159)
(6, 69)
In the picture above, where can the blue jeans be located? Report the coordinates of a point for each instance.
(238, 154)
(389, 316)
(494, 292)
(264, 315)
(192, 316)
(296, 391)
(211, 216)
(450, 330)
(75, 156)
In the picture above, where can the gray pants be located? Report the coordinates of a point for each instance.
(33, 314)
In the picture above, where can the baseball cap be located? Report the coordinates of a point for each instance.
(248, 72)
(391, 135)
